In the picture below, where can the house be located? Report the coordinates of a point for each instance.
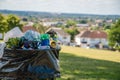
(63, 37)
(30, 24)
(109, 21)
(53, 23)
(49, 23)
(99, 21)
(82, 25)
(89, 38)
(28, 27)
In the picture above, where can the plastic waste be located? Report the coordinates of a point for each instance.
(45, 40)
(31, 35)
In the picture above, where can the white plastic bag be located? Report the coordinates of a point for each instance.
(13, 33)
(31, 35)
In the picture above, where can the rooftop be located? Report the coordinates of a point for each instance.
(25, 28)
(93, 34)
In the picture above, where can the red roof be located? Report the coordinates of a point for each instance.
(59, 31)
(25, 28)
(93, 34)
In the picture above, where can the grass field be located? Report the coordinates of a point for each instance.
(1, 40)
(89, 64)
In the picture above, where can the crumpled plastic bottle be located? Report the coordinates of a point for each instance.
(45, 40)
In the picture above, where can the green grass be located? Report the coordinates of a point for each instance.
(1, 40)
(89, 64)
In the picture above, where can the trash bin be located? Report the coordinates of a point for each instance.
(34, 64)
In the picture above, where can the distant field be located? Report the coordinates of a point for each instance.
(89, 64)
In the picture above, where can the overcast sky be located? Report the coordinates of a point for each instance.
(68, 6)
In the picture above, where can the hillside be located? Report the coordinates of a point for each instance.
(57, 15)
(93, 53)
(89, 64)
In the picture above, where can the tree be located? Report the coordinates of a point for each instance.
(13, 21)
(106, 26)
(72, 32)
(3, 24)
(9, 22)
(40, 28)
(114, 36)
(83, 21)
(25, 19)
(70, 23)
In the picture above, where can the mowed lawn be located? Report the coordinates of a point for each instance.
(89, 64)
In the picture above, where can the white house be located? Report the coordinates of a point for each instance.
(91, 38)
(49, 23)
(82, 25)
(63, 37)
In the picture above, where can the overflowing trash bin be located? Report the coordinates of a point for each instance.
(30, 57)
(29, 65)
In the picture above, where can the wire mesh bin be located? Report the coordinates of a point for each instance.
(29, 64)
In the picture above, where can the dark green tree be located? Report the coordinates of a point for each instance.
(106, 26)
(83, 21)
(114, 36)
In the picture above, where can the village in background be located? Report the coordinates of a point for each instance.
(79, 30)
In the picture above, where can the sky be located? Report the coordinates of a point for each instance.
(66, 6)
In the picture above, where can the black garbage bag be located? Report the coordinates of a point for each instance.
(29, 64)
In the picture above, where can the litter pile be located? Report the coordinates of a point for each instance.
(31, 56)
(30, 40)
